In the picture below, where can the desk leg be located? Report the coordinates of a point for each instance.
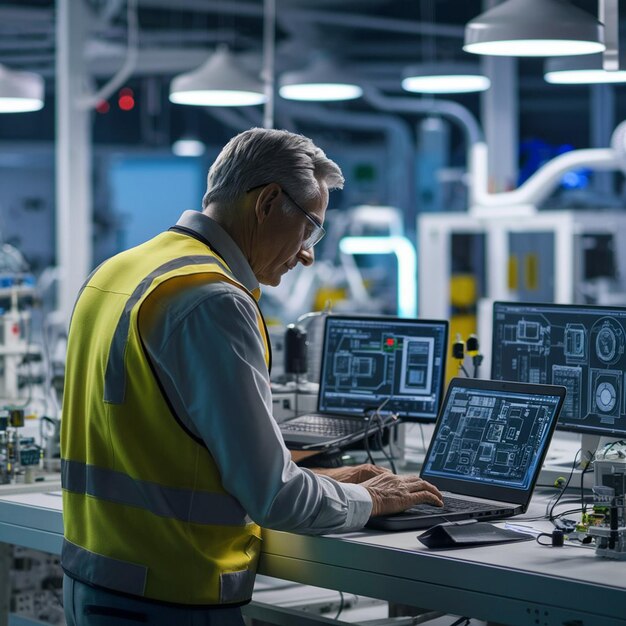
(6, 558)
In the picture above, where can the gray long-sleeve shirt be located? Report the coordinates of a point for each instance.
(208, 354)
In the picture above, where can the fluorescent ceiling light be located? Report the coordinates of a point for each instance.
(444, 78)
(188, 148)
(581, 70)
(219, 82)
(320, 82)
(531, 28)
(20, 92)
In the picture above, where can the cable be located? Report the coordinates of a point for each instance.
(366, 442)
(341, 605)
(464, 621)
(373, 414)
(590, 460)
(132, 54)
(560, 495)
(381, 445)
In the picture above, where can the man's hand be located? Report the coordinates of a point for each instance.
(393, 494)
(352, 474)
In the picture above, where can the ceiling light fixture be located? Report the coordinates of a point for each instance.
(20, 92)
(534, 28)
(581, 70)
(188, 147)
(444, 78)
(320, 82)
(219, 82)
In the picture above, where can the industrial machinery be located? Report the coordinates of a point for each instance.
(466, 261)
(607, 521)
(17, 293)
(18, 455)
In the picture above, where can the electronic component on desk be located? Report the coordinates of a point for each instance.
(30, 453)
(18, 455)
(607, 521)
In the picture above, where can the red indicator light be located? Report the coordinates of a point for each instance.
(390, 341)
(103, 107)
(126, 91)
(126, 103)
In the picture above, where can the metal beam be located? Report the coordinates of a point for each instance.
(73, 156)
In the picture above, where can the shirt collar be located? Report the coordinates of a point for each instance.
(224, 246)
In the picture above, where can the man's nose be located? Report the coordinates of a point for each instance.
(306, 257)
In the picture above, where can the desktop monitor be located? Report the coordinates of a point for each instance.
(581, 347)
(368, 361)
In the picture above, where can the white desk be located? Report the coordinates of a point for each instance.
(520, 584)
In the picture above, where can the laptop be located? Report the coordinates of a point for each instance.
(486, 452)
(373, 370)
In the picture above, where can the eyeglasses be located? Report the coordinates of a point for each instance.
(318, 230)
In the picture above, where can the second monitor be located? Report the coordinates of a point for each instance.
(367, 361)
(581, 347)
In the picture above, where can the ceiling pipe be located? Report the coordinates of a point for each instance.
(447, 108)
(540, 185)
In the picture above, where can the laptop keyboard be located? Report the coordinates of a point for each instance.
(451, 505)
(322, 425)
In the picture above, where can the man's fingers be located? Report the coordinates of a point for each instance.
(426, 497)
(414, 483)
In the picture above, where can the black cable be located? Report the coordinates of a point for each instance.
(462, 620)
(560, 495)
(341, 605)
(591, 459)
(542, 543)
(366, 438)
(393, 430)
(375, 413)
(462, 369)
(381, 445)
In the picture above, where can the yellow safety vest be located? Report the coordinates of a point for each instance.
(145, 511)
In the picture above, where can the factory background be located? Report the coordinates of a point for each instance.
(507, 187)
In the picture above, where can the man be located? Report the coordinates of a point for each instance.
(171, 458)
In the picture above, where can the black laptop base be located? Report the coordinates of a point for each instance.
(433, 515)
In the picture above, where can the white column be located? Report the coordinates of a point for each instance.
(73, 155)
(500, 121)
(500, 118)
(602, 126)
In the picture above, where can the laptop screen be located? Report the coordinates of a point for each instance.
(492, 434)
(369, 360)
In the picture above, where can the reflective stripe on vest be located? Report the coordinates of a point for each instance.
(131, 578)
(115, 377)
(103, 570)
(182, 504)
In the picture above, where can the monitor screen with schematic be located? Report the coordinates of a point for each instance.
(580, 347)
(394, 363)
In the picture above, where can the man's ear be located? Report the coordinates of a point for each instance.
(268, 199)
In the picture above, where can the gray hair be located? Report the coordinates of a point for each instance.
(260, 156)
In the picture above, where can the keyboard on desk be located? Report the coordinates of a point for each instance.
(323, 425)
(426, 515)
(450, 505)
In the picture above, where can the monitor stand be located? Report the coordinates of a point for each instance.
(563, 449)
